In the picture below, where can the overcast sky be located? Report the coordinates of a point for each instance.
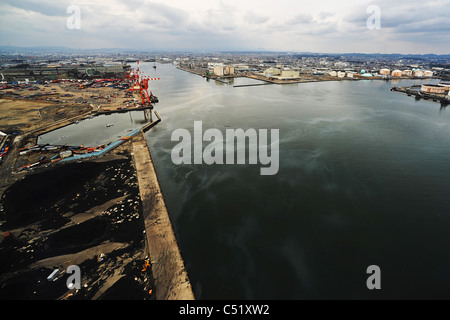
(327, 26)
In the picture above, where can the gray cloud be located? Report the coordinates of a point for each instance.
(300, 19)
(325, 15)
(406, 14)
(253, 18)
(162, 15)
(228, 25)
(44, 7)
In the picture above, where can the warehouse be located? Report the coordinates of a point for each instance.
(272, 72)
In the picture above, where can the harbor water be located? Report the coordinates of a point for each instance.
(364, 180)
(96, 130)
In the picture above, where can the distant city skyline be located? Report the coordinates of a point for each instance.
(405, 27)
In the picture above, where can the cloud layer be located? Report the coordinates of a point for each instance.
(289, 25)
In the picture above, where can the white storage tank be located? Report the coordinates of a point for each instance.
(418, 74)
(397, 73)
(444, 84)
(428, 74)
(432, 88)
(385, 72)
(407, 73)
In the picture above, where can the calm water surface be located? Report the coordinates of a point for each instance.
(364, 180)
(96, 131)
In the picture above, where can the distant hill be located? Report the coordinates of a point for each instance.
(67, 50)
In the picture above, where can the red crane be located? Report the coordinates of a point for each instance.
(142, 85)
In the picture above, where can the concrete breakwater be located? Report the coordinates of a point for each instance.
(171, 279)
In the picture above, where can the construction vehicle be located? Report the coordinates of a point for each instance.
(146, 265)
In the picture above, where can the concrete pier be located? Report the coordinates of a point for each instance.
(171, 279)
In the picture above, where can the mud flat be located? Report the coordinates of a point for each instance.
(86, 214)
(170, 276)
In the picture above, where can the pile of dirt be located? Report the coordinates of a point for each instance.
(65, 214)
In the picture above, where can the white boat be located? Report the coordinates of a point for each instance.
(109, 125)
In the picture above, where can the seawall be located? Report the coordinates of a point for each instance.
(171, 279)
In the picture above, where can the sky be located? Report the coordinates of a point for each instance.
(326, 26)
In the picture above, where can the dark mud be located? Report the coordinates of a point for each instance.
(69, 211)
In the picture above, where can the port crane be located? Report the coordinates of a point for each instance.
(141, 84)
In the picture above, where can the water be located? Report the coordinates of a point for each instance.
(95, 131)
(364, 180)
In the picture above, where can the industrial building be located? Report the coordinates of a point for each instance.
(290, 74)
(62, 72)
(271, 72)
(219, 71)
(229, 70)
(350, 74)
